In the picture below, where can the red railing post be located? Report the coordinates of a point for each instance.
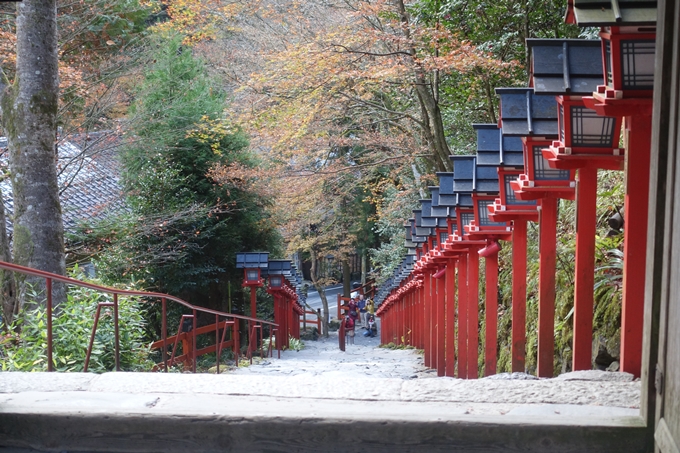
(193, 341)
(116, 333)
(237, 342)
(218, 343)
(164, 332)
(48, 288)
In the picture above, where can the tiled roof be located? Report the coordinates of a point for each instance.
(89, 179)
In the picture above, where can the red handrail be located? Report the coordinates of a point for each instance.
(50, 277)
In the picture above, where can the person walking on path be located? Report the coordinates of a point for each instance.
(353, 310)
(362, 312)
(349, 330)
(370, 307)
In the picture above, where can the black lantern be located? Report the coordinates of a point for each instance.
(534, 118)
(628, 33)
(252, 263)
(277, 271)
(570, 69)
(276, 281)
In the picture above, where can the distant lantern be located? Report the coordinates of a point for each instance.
(252, 263)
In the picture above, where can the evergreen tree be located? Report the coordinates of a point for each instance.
(183, 230)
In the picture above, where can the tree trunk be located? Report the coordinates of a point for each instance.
(29, 117)
(433, 124)
(346, 279)
(7, 281)
(320, 288)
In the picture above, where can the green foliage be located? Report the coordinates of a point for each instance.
(184, 229)
(72, 326)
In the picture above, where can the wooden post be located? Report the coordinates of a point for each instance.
(451, 318)
(462, 316)
(432, 322)
(636, 208)
(491, 314)
(441, 322)
(519, 295)
(546, 287)
(473, 314)
(427, 307)
(586, 199)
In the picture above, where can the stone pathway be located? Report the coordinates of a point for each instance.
(323, 358)
(321, 365)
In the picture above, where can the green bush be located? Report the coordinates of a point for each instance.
(72, 326)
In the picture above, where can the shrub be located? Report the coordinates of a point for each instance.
(72, 326)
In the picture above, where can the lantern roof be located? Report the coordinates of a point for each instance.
(418, 234)
(279, 267)
(437, 210)
(463, 173)
(427, 219)
(608, 13)
(468, 178)
(252, 260)
(447, 197)
(493, 149)
(525, 114)
(566, 66)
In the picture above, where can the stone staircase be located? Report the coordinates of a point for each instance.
(319, 400)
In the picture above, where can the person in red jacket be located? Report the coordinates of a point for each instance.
(349, 330)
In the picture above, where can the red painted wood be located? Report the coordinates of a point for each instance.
(586, 198)
(432, 321)
(491, 314)
(546, 287)
(636, 208)
(462, 316)
(427, 306)
(441, 326)
(451, 318)
(473, 314)
(519, 295)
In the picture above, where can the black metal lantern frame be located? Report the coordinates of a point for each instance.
(254, 265)
(628, 34)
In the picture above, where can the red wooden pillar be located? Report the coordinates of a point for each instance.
(253, 301)
(586, 199)
(277, 317)
(441, 323)
(473, 314)
(450, 340)
(432, 321)
(462, 316)
(409, 312)
(416, 314)
(403, 319)
(426, 319)
(519, 294)
(491, 314)
(546, 287)
(636, 208)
